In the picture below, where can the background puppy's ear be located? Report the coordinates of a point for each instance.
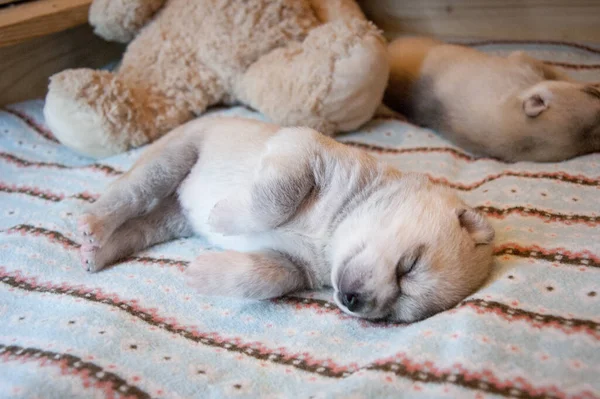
(476, 224)
(536, 101)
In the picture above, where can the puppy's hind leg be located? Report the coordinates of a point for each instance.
(155, 176)
(255, 275)
(165, 222)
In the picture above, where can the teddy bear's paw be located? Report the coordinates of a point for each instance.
(74, 112)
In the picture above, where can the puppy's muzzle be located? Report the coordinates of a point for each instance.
(353, 302)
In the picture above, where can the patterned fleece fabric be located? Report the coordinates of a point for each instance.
(135, 330)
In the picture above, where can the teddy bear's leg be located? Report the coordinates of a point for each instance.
(99, 114)
(119, 20)
(332, 82)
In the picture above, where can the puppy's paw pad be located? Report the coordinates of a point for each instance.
(88, 256)
(90, 229)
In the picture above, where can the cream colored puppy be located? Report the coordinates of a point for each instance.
(294, 210)
(514, 108)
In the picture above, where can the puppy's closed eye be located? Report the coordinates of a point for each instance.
(408, 262)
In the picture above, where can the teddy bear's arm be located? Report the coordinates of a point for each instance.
(332, 82)
(119, 20)
(330, 10)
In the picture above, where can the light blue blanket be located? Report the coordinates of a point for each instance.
(135, 330)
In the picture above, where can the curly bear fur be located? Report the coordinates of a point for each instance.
(315, 63)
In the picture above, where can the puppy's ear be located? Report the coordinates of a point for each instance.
(536, 101)
(476, 224)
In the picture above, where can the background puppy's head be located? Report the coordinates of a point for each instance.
(559, 120)
(411, 250)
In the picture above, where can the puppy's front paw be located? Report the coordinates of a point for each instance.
(220, 273)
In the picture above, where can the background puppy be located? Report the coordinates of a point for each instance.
(294, 210)
(514, 108)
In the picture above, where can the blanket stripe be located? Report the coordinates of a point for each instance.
(45, 133)
(555, 255)
(556, 176)
(73, 365)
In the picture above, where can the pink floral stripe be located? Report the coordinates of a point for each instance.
(13, 159)
(541, 42)
(583, 258)
(416, 150)
(91, 374)
(482, 380)
(555, 176)
(41, 130)
(557, 255)
(546, 215)
(579, 67)
(31, 191)
(67, 243)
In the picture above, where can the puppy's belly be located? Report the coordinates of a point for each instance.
(205, 186)
(229, 155)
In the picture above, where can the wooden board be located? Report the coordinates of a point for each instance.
(575, 20)
(26, 67)
(32, 19)
(4, 2)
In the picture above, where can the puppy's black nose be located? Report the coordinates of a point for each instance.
(351, 301)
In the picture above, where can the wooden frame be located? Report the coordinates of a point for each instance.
(43, 37)
(38, 18)
(571, 20)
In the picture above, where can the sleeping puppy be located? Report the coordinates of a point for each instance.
(294, 210)
(514, 108)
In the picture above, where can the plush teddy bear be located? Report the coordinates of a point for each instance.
(315, 63)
